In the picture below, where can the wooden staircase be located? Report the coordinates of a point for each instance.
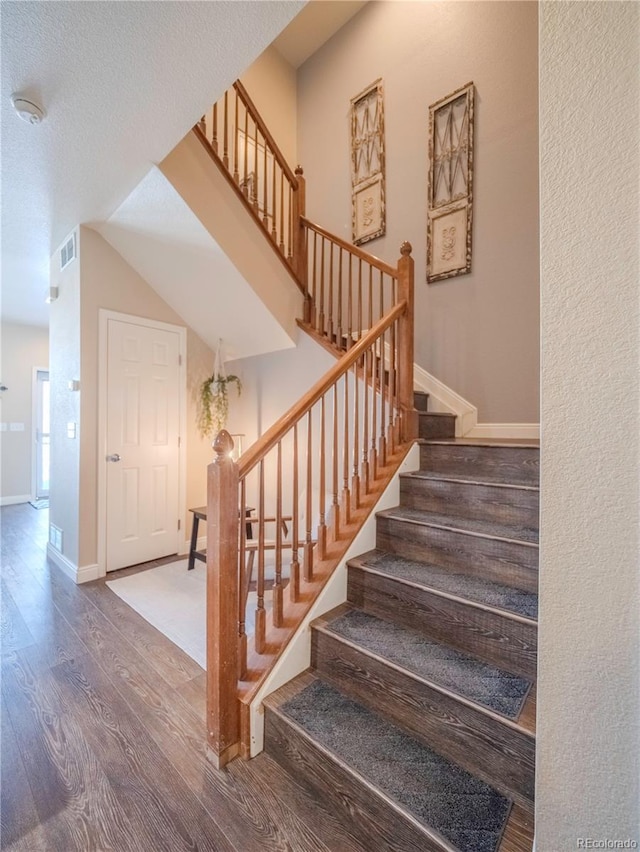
(416, 720)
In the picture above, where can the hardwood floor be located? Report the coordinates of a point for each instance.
(103, 744)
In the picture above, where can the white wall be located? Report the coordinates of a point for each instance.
(588, 766)
(64, 366)
(23, 348)
(477, 333)
(272, 383)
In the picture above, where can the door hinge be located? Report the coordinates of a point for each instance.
(179, 441)
(180, 360)
(179, 523)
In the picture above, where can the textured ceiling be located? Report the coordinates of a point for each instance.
(121, 83)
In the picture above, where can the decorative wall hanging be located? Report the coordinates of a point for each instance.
(450, 205)
(367, 164)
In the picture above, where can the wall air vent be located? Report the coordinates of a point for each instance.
(68, 252)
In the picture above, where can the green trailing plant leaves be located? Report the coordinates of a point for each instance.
(214, 403)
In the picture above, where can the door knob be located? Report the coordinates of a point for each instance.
(113, 458)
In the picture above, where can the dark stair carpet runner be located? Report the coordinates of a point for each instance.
(473, 588)
(460, 673)
(464, 810)
(421, 738)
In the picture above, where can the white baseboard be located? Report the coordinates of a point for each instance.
(78, 575)
(442, 398)
(88, 572)
(518, 431)
(13, 501)
(62, 562)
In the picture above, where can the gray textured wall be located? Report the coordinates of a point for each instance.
(588, 767)
(477, 333)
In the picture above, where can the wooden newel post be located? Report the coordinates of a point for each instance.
(409, 423)
(299, 241)
(223, 711)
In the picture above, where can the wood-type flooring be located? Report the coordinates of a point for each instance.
(103, 737)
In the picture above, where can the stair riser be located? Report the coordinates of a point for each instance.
(421, 401)
(507, 643)
(520, 464)
(480, 502)
(369, 817)
(478, 742)
(436, 426)
(492, 559)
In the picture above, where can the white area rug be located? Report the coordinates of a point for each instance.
(173, 600)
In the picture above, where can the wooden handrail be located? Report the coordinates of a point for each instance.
(268, 441)
(354, 250)
(324, 463)
(255, 115)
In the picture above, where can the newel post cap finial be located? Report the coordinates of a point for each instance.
(222, 446)
(406, 248)
(299, 170)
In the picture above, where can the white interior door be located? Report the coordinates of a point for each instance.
(143, 456)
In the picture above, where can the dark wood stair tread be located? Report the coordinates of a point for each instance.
(445, 799)
(436, 414)
(438, 664)
(466, 476)
(468, 526)
(506, 599)
(533, 444)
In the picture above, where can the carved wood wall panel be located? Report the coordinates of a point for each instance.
(367, 164)
(450, 196)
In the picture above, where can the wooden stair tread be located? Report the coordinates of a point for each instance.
(468, 526)
(488, 687)
(454, 809)
(465, 476)
(532, 443)
(506, 600)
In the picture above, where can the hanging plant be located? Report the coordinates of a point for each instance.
(214, 398)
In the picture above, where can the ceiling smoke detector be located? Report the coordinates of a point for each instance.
(27, 110)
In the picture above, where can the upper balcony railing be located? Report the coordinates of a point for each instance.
(240, 141)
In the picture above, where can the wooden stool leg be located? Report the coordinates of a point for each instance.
(194, 543)
(249, 575)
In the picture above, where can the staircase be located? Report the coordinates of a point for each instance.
(416, 720)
